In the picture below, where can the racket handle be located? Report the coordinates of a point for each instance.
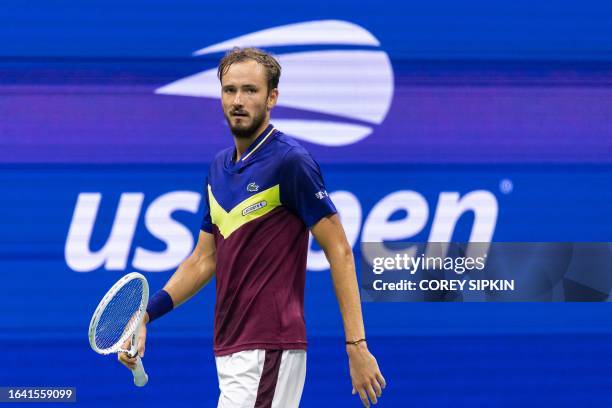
(140, 376)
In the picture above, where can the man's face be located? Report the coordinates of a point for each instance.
(245, 98)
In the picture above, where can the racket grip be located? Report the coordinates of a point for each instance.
(140, 376)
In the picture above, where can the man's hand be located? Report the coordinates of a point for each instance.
(124, 358)
(365, 374)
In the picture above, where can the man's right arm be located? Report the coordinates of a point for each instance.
(194, 272)
(191, 276)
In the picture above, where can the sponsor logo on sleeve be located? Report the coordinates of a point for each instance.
(321, 194)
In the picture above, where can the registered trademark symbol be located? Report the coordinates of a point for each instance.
(506, 186)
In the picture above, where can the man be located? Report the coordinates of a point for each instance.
(262, 196)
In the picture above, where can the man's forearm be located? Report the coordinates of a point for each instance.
(347, 292)
(330, 235)
(193, 273)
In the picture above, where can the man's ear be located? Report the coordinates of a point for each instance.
(272, 99)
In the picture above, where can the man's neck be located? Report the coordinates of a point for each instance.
(243, 143)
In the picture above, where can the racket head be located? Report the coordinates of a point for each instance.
(119, 314)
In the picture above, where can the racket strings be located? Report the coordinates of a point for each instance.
(120, 316)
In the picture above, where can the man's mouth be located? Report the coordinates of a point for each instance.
(240, 114)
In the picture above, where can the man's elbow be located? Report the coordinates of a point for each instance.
(199, 263)
(342, 253)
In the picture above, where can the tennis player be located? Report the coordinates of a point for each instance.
(262, 197)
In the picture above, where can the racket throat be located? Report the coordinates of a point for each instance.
(133, 351)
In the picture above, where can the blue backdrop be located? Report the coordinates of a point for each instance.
(109, 108)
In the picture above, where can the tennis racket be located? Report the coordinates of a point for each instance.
(118, 317)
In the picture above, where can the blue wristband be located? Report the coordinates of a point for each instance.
(159, 304)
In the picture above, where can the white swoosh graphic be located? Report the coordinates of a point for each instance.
(355, 84)
(311, 32)
(322, 132)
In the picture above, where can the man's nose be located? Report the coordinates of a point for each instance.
(238, 99)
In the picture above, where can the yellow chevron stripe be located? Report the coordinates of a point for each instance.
(252, 208)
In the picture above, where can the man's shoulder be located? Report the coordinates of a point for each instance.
(222, 155)
(218, 163)
(290, 148)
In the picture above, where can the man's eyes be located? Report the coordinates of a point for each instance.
(247, 90)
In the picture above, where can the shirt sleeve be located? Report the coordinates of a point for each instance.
(302, 188)
(206, 220)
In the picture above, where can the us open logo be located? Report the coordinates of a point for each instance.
(351, 88)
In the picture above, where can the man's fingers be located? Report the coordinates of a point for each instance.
(377, 388)
(126, 346)
(371, 393)
(381, 380)
(126, 360)
(364, 398)
(124, 357)
(141, 348)
(142, 339)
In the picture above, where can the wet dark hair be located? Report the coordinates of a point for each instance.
(271, 65)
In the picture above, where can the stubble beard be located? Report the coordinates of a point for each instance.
(242, 132)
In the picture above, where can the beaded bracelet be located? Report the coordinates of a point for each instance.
(354, 343)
